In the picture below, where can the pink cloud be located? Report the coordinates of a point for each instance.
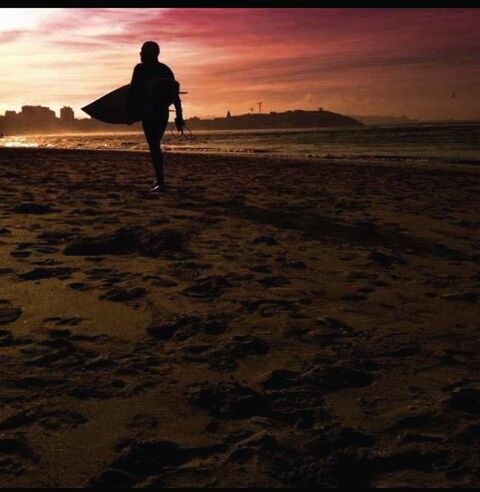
(227, 58)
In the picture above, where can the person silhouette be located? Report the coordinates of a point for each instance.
(153, 111)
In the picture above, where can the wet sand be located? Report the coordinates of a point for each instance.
(263, 323)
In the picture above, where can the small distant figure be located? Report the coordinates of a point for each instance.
(1, 135)
(155, 120)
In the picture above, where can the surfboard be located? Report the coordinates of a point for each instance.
(111, 108)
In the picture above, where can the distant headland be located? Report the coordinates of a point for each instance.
(41, 119)
(287, 119)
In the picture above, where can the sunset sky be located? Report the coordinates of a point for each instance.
(352, 61)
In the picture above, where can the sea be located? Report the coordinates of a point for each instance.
(435, 142)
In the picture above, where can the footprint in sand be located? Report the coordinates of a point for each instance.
(54, 237)
(228, 400)
(465, 400)
(239, 347)
(143, 422)
(32, 208)
(8, 312)
(16, 455)
(354, 297)
(267, 240)
(79, 286)
(261, 269)
(46, 418)
(321, 377)
(20, 254)
(61, 273)
(184, 327)
(270, 307)
(329, 330)
(140, 460)
(8, 340)
(126, 241)
(274, 281)
(297, 265)
(208, 287)
(123, 295)
(74, 321)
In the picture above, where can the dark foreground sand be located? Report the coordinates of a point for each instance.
(263, 323)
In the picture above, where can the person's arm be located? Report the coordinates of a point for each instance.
(133, 95)
(179, 121)
(178, 106)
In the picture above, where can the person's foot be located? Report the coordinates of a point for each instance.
(158, 187)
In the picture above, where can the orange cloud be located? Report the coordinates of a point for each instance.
(356, 61)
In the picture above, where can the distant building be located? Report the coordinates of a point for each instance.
(38, 114)
(40, 119)
(67, 114)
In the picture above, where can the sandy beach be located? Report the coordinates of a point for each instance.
(262, 323)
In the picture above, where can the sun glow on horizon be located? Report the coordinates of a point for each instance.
(351, 61)
(12, 19)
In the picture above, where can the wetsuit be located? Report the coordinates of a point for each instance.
(155, 119)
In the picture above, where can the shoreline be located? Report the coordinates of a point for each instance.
(417, 163)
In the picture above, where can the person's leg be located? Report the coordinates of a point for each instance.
(160, 127)
(150, 129)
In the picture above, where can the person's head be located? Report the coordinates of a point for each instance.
(150, 51)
